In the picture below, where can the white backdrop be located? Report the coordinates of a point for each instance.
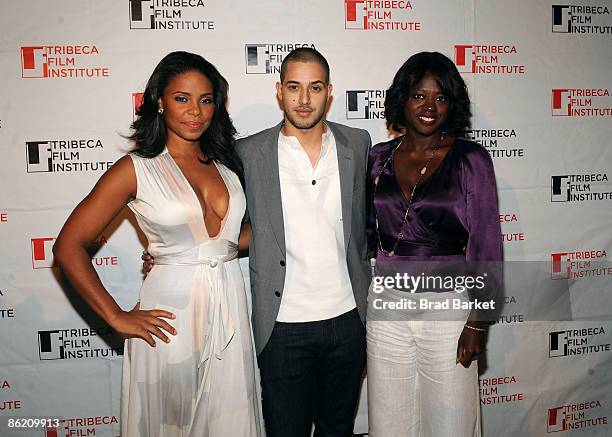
(539, 78)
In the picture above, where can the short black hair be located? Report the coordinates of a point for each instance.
(448, 79)
(149, 130)
(304, 54)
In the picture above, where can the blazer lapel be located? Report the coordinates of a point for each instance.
(268, 167)
(346, 168)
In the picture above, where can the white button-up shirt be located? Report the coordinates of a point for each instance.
(317, 282)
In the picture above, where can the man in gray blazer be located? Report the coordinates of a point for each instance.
(305, 187)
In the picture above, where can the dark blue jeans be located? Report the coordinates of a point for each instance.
(312, 371)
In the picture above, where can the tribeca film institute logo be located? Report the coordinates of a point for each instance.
(578, 415)
(365, 104)
(581, 102)
(61, 62)
(579, 187)
(500, 143)
(379, 15)
(487, 59)
(64, 156)
(579, 265)
(169, 15)
(577, 342)
(267, 58)
(80, 426)
(581, 19)
(499, 390)
(67, 344)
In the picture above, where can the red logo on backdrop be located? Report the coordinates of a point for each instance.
(556, 420)
(580, 264)
(82, 426)
(355, 14)
(137, 99)
(498, 390)
(379, 15)
(581, 102)
(579, 415)
(42, 254)
(561, 105)
(54, 61)
(464, 59)
(487, 59)
(560, 265)
(3, 217)
(34, 62)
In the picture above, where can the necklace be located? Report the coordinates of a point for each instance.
(400, 234)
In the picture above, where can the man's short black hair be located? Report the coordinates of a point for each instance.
(304, 54)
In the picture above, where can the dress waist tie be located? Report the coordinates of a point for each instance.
(210, 257)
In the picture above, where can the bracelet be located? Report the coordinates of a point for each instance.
(474, 328)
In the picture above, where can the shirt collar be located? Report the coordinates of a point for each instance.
(293, 142)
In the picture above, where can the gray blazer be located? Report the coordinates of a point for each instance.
(259, 154)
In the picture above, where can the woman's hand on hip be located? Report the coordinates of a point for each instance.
(143, 324)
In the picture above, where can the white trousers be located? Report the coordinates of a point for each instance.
(414, 386)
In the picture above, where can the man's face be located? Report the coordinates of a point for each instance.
(304, 94)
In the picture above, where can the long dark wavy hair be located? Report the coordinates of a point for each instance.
(448, 79)
(149, 130)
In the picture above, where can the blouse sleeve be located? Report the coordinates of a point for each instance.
(482, 211)
(483, 250)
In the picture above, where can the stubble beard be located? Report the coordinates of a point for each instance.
(303, 124)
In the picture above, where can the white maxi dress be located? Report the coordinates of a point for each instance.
(202, 383)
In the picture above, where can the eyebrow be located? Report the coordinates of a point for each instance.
(316, 82)
(424, 89)
(188, 94)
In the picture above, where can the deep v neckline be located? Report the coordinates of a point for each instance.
(421, 183)
(197, 199)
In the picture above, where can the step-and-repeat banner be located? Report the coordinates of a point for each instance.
(72, 72)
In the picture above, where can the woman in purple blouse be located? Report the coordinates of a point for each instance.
(433, 202)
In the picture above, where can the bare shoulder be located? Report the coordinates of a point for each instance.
(120, 179)
(123, 168)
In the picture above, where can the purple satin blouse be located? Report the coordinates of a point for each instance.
(454, 213)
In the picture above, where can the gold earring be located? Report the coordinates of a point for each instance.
(160, 111)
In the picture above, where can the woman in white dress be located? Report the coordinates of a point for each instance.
(181, 181)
